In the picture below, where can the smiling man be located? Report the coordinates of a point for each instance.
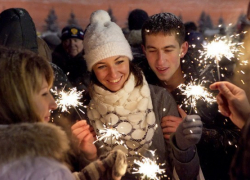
(164, 45)
(163, 54)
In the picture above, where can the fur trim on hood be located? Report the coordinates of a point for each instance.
(134, 37)
(32, 139)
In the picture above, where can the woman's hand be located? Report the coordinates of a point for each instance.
(85, 136)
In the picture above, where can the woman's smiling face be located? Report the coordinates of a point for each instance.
(112, 72)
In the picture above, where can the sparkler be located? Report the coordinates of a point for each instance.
(195, 92)
(68, 99)
(148, 168)
(109, 133)
(219, 47)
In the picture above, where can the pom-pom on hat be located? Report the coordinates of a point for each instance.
(104, 39)
(72, 31)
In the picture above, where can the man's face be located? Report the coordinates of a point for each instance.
(163, 53)
(73, 46)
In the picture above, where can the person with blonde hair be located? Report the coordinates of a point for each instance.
(31, 148)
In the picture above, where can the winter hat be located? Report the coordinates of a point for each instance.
(104, 39)
(17, 29)
(72, 31)
(136, 19)
(190, 26)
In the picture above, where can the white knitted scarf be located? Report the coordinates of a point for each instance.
(129, 111)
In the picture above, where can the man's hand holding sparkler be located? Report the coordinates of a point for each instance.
(169, 124)
(232, 102)
(183, 141)
(188, 132)
(85, 136)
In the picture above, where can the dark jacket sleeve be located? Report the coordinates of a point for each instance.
(217, 129)
(164, 104)
(241, 161)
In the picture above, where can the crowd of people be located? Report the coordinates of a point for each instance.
(130, 85)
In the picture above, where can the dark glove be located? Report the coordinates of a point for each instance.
(188, 132)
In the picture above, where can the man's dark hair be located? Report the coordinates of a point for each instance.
(165, 23)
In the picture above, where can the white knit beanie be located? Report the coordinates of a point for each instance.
(104, 39)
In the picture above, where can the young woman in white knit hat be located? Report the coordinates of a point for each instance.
(121, 99)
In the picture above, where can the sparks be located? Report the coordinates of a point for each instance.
(109, 133)
(69, 99)
(65, 99)
(221, 47)
(148, 168)
(244, 62)
(195, 92)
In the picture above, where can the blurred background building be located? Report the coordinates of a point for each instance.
(55, 14)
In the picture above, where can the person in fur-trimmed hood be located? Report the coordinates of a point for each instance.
(122, 100)
(37, 151)
(31, 148)
(18, 31)
(33, 151)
